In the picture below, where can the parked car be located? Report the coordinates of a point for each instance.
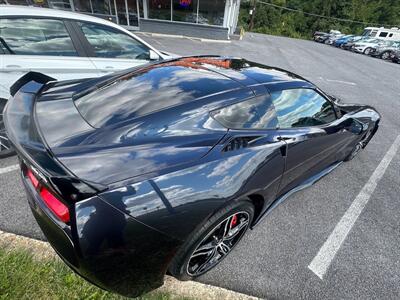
(318, 34)
(384, 50)
(331, 40)
(322, 38)
(165, 167)
(63, 45)
(351, 42)
(365, 46)
(5, 145)
(395, 56)
(340, 41)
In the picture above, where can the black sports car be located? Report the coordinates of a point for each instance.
(163, 168)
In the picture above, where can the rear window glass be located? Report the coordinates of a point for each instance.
(148, 90)
(257, 113)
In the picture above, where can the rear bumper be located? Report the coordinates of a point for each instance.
(58, 234)
(106, 246)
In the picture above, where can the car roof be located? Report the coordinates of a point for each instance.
(177, 82)
(19, 10)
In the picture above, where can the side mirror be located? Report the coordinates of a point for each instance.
(153, 55)
(334, 99)
(355, 127)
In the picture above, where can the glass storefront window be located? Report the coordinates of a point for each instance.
(62, 4)
(184, 10)
(121, 10)
(100, 8)
(159, 9)
(133, 15)
(37, 3)
(82, 6)
(211, 12)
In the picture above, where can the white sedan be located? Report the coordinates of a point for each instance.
(64, 45)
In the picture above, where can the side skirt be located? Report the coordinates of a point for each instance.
(307, 183)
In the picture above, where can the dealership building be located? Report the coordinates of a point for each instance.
(197, 18)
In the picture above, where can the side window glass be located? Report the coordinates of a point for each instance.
(302, 108)
(27, 36)
(108, 42)
(257, 113)
(383, 34)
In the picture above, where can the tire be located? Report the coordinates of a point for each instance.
(6, 149)
(367, 51)
(183, 265)
(385, 55)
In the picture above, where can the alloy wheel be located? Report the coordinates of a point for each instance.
(385, 55)
(218, 243)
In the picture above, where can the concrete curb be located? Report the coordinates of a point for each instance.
(42, 250)
(182, 37)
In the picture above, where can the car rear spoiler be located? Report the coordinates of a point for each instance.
(35, 77)
(24, 134)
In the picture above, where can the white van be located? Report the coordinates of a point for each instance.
(392, 34)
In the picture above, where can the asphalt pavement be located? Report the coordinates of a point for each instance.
(273, 260)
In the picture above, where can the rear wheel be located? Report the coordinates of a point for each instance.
(5, 145)
(385, 55)
(213, 242)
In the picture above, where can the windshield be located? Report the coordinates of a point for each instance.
(366, 32)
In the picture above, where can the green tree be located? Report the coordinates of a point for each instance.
(274, 20)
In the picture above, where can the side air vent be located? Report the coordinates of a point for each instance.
(239, 143)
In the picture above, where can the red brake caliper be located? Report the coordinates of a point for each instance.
(234, 221)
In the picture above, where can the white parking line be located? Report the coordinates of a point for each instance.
(321, 262)
(9, 169)
(341, 81)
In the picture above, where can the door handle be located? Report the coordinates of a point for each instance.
(285, 138)
(109, 67)
(13, 66)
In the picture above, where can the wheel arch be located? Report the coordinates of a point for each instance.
(258, 202)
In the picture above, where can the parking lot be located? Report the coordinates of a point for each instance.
(279, 258)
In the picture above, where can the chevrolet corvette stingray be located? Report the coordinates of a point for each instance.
(163, 168)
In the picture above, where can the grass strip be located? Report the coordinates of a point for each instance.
(24, 277)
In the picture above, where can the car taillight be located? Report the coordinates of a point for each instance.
(59, 209)
(32, 178)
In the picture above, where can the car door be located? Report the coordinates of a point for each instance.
(253, 147)
(111, 49)
(43, 45)
(316, 138)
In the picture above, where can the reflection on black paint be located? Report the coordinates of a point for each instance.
(150, 90)
(112, 235)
